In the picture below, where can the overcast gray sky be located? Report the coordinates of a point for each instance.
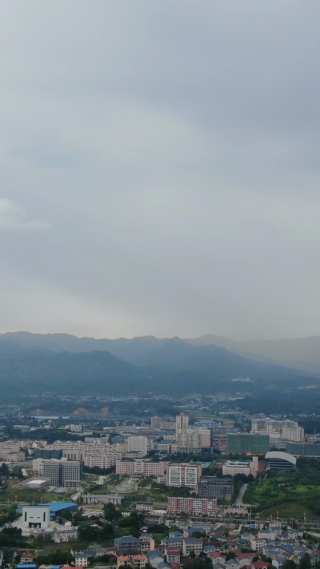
(160, 168)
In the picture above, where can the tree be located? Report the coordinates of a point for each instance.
(305, 562)
(56, 557)
(4, 469)
(289, 564)
(110, 512)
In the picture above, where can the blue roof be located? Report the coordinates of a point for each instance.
(154, 554)
(27, 566)
(127, 539)
(57, 506)
(209, 548)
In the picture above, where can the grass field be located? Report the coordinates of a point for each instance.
(288, 510)
(208, 415)
(31, 496)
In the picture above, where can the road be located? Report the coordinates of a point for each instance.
(242, 491)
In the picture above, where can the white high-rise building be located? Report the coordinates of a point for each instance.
(182, 421)
(196, 438)
(286, 429)
(138, 444)
(183, 475)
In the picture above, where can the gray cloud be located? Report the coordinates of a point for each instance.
(173, 148)
(13, 218)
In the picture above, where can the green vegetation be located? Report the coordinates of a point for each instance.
(12, 494)
(7, 515)
(289, 493)
(12, 537)
(102, 373)
(56, 557)
(98, 471)
(288, 510)
(94, 534)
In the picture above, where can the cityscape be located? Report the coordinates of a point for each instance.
(162, 492)
(159, 285)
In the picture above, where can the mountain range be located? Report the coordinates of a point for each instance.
(299, 353)
(61, 363)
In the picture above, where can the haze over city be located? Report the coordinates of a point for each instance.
(159, 168)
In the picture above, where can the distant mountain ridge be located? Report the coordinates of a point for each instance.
(99, 373)
(303, 353)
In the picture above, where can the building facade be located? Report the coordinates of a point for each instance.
(247, 443)
(183, 475)
(213, 487)
(246, 467)
(197, 506)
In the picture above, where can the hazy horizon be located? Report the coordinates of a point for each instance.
(159, 337)
(160, 168)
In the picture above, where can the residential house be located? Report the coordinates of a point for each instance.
(123, 561)
(127, 545)
(279, 562)
(83, 559)
(147, 542)
(139, 561)
(232, 564)
(173, 554)
(192, 544)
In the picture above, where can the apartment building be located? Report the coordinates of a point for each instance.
(139, 444)
(101, 460)
(141, 468)
(92, 452)
(286, 429)
(182, 422)
(183, 475)
(11, 451)
(168, 425)
(194, 438)
(156, 422)
(197, 506)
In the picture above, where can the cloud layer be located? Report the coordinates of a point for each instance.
(13, 218)
(172, 148)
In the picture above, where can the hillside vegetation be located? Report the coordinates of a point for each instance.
(283, 491)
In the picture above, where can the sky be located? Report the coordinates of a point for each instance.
(160, 168)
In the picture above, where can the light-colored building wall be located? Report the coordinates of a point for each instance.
(36, 516)
(246, 467)
(183, 475)
(198, 506)
(138, 444)
(141, 468)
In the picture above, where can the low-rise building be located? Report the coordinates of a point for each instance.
(83, 559)
(127, 545)
(197, 506)
(192, 544)
(246, 467)
(147, 542)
